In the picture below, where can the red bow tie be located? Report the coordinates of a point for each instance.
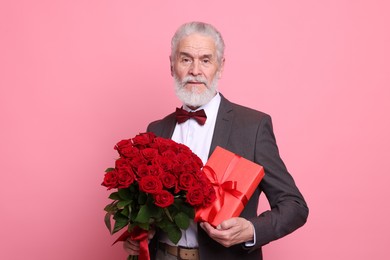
(183, 115)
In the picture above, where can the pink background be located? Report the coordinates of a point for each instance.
(75, 76)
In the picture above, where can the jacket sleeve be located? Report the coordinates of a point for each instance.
(288, 209)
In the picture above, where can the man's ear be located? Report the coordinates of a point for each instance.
(221, 66)
(171, 64)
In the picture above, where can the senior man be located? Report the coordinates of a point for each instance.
(197, 61)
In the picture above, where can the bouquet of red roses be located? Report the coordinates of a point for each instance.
(159, 183)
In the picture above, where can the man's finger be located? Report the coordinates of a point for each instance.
(227, 224)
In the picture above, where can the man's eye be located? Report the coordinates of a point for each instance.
(185, 60)
(206, 61)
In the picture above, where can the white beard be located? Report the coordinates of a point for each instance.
(193, 97)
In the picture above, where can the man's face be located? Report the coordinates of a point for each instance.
(196, 69)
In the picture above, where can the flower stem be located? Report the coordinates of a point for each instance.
(168, 214)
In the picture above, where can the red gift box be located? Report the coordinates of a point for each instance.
(234, 179)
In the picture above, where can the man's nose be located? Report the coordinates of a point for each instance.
(195, 68)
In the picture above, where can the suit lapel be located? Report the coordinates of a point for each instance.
(169, 127)
(223, 125)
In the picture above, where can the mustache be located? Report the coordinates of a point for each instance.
(193, 79)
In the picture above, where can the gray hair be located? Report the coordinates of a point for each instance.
(201, 28)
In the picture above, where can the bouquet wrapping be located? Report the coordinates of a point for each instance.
(157, 183)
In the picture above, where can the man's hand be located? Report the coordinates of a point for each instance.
(230, 232)
(132, 247)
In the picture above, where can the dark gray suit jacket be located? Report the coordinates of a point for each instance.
(249, 133)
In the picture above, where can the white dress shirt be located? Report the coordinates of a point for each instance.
(198, 138)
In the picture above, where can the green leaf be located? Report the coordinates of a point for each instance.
(174, 233)
(143, 215)
(109, 169)
(125, 194)
(144, 226)
(182, 220)
(189, 211)
(133, 214)
(118, 226)
(185, 208)
(120, 222)
(173, 210)
(171, 229)
(110, 207)
(142, 197)
(107, 221)
(123, 203)
(168, 214)
(133, 188)
(163, 224)
(155, 211)
(114, 196)
(125, 212)
(131, 226)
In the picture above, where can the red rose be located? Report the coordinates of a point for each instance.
(177, 169)
(155, 170)
(125, 177)
(168, 180)
(126, 149)
(122, 144)
(165, 163)
(191, 167)
(183, 158)
(162, 144)
(202, 179)
(143, 170)
(186, 181)
(137, 161)
(195, 196)
(143, 139)
(163, 199)
(110, 180)
(149, 153)
(169, 154)
(181, 148)
(122, 162)
(150, 184)
(209, 195)
(198, 162)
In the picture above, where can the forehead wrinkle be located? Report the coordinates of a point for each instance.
(197, 45)
(201, 52)
(183, 53)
